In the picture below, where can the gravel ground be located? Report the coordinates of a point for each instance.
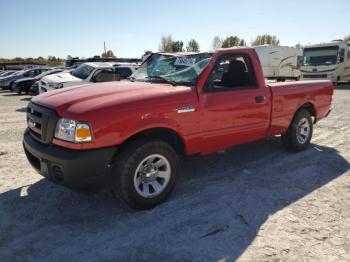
(255, 202)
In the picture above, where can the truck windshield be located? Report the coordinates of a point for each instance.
(82, 71)
(320, 55)
(175, 69)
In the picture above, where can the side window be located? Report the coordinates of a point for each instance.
(232, 71)
(123, 72)
(104, 75)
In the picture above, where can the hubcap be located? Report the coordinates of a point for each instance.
(303, 130)
(152, 176)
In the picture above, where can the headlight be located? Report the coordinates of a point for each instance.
(73, 131)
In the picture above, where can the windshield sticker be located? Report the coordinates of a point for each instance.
(185, 61)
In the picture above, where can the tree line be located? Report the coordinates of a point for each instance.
(168, 44)
(50, 60)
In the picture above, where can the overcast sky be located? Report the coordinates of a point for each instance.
(79, 28)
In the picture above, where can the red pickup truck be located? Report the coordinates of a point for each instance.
(132, 136)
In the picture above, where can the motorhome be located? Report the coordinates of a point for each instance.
(327, 61)
(279, 62)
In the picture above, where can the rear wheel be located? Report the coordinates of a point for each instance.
(145, 173)
(299, 133)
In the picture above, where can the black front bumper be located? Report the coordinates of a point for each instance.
(77, 169)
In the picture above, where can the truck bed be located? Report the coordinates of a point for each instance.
(287, 97)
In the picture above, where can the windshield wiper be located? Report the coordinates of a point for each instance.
(163, 78)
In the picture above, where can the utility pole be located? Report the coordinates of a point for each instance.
(104, 44)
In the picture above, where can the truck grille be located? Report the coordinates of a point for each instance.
(315, 76)
(41, 122)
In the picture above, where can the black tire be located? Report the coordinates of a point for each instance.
(290, 138)
(126, 164)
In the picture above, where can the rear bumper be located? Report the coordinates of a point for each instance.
(75, 169)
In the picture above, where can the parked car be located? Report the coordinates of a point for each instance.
(132, 136)
(87, 73)
(7, 82)
(24, 84)
(7, 73)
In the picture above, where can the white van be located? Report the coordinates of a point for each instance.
(87, 72)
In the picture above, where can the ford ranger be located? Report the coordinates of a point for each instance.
(132, 136)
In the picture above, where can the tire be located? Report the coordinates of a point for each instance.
(135, 173)
(296, 138)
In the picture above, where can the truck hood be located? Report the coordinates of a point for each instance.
(111, 96)
(61, 78)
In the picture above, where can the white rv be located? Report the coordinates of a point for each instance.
(279, 62)
(327, 61)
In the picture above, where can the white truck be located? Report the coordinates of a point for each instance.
(327, 61)
(86, 73)
(279, 62)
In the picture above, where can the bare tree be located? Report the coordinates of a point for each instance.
(217, 42)
(166, 43)
(109, 53)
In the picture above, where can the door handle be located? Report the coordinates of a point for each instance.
(260, 99)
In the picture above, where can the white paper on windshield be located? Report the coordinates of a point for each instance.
(185, 61)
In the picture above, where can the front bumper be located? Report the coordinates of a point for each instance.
(87, 169)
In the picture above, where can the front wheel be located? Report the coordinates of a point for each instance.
(145, 173)
(299, 133)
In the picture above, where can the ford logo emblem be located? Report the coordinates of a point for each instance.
(31, 122)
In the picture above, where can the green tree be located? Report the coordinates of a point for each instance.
(192, 46)
(266, 39)
(231, 41)
(147, 52)
(177, 46)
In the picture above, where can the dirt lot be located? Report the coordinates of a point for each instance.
(255, 202)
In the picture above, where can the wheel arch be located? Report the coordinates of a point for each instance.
(163, 133)
(310, 107)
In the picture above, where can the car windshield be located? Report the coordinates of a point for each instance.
(82, 71)
(174, 69)
(320, 55)
(7, 73)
